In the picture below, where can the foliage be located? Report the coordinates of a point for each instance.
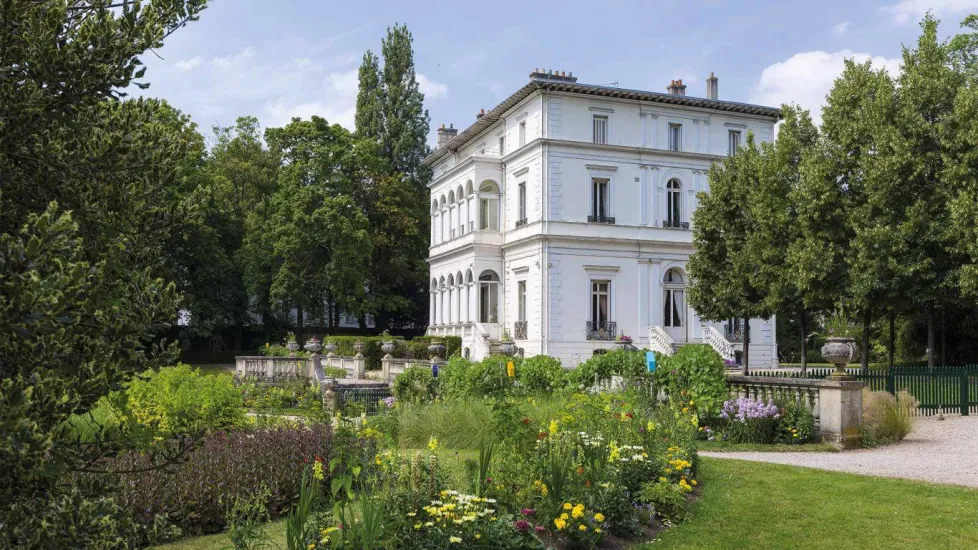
(838, 325)
(667, 499)
(226, 467)
(541, 374)
(887, 418)
(284, 394)
(695, 373)
(180, 400)
(245, 521)
(796, 425)
(414, 385)
(630, 365)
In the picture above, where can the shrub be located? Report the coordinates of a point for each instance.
(540, 374)
(282, 394)
(698, 371)
(750, 421)
(619, 362)
(796, 425)
(887, 419)
(454, 379)
(488, 377)
(180, 400)
(228, 466)
(414, 385)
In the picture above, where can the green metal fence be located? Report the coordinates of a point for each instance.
(944, 389)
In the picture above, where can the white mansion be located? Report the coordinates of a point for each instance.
(562, 217)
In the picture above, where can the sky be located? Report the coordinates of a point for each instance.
(278, 59)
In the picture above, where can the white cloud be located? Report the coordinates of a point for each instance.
(841, 28)
(805, 78)
(430, 88)
(263, 83)
(913, 10)
(187, 64)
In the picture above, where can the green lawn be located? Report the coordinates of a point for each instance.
(275, 531)
(760, 506)
(726, 446)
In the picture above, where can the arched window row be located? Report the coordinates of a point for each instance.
(456, 298)
(462, 211)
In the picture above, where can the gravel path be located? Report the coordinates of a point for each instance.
(939, 451)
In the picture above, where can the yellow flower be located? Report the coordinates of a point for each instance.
(311, 545)
(560, 524)
(564, 516)
(567, 506)
(478, 536)
(577, 513)
(317, 470)
(650, 426)
(597, 529)
(599, 517)
(694, 482)
(432, 443)
(553, 427)
(615, 453)
(582, 527)
(266, 345)
(455, 540)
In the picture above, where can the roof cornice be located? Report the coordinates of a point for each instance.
(493, 116)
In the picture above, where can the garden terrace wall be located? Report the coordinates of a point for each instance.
(835, 404)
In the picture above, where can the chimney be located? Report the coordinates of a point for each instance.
(446, 134)
(676, 87)
(551, 75)
(480, 114)
(712, 88)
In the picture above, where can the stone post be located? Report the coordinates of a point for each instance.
(329, 399)
(840, 405)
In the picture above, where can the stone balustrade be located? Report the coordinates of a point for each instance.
(836, 404)
(314, 367)
(272, 367)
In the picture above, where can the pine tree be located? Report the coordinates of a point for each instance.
(406, 121)
(370, 115)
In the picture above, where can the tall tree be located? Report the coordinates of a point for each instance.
(722, 280)
(370, 99)
(81, 300)
(406, 121)
(776, 219)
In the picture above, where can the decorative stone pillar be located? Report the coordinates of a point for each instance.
(841, 412)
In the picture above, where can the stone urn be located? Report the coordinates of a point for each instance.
(436, 349)
(839, 351)
(292, 346)
(330, 348)
(358, 347)
(313, 345)
(387, 347)
(507, 347)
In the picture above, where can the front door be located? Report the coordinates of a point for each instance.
(674, 305)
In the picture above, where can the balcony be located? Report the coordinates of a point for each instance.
(520, 223)
(519, 330)
(602, 330)
(600, 219)
(675, 224)
(735, 336)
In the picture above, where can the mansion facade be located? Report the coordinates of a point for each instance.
(563, 219)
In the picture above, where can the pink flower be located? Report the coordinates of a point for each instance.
(527, 512)
(522, 526)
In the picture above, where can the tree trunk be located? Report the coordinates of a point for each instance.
(892, 344)
(298, 324)
(943, 339)
(746, 368)
(804, 344)
(930, 337)
(867, 321)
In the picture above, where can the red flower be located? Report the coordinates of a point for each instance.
(630, 415)
(526, 421)
(580, 470)
(542, 435)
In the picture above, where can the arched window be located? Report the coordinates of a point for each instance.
(469, 289)
(442, 317)
(434, 222)
(448, 303)
(674, 203)
(433, 314)
(488, 297)
(462, 211)
(489, 206)
(674, 304)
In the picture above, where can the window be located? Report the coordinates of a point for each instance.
(600, 201)
(521, 301)
(674, 204)
(489, 206)
(674, 290)
(600, 127)
(521, 208)
(599, 302)
(733, 142)
(488, 297)
(675, 137)
(502, 145)
(522, 133)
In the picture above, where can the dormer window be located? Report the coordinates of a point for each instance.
(600, 129)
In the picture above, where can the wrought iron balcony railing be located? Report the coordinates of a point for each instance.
(520, 223)
(601, 330)
(675, 224)
(735, 336)
(519, 330)
(600, 219)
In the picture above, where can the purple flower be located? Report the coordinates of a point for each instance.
(744, 408)
(527, 512)
(522, 525)
(539, 528)
(389, 402)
